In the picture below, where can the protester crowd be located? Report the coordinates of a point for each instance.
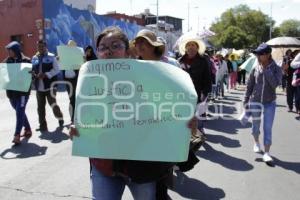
(212, 73)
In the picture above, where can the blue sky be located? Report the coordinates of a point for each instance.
(202, 13)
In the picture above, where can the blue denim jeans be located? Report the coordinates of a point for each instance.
(19, 104)
(112, 187)
(268, 110)
(297, 98)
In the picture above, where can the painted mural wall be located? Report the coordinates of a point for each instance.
(82, 26)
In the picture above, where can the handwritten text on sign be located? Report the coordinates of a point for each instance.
(135, 110)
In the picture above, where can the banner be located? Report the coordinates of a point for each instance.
(70, 58)
(133, 110)
(15, 76)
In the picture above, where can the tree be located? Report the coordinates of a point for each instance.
(233, 37)
(241, 27)
(290, 28)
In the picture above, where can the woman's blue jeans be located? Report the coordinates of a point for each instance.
(19, 104)
(268, 110)
(112, 187)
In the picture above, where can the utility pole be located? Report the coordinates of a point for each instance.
(157, 16)
(188, 29)
(270, 33)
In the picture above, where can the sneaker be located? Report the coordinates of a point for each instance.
(42, 129)
(267, 158)
(16, 140)
(256, 148)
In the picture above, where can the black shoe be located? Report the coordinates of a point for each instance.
(61, 123)
(42, 129)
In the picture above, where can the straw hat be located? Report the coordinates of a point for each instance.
(200, 43)
(72, 43)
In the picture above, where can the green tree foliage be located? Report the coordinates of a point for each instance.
(241, 27)
(290, 28)
(276, 32)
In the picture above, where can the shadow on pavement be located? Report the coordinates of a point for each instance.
(24, 150)
(280, 106)
(224, 102)
(220, 109)
(56, 136)
(292, 166)
(270, 164)
(225, 126)
(191, 188)
(232, 98)
(237, 92)
(224, 119)
(224, 141)
(223, 159)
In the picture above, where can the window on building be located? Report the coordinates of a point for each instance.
(17, 38)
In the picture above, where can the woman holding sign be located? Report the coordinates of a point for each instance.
(18, 100)
(109, 177)
(149, 47)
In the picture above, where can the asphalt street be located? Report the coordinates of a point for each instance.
(43, 167)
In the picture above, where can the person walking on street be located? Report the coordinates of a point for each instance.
(295, 64)
(233, 74)
(17, 99)
(89, 53)
(261, 97)
(150, 47)
(198, 66)
(290, 90)
(45, 70)
(221, 75)
(109, 177)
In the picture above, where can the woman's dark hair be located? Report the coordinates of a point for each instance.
(294, 53)
(42, 42)
(159, 51)
(289, 51)
(92, 56)
(115, 31)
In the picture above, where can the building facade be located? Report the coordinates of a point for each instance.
(56, 22)
(20, 21)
